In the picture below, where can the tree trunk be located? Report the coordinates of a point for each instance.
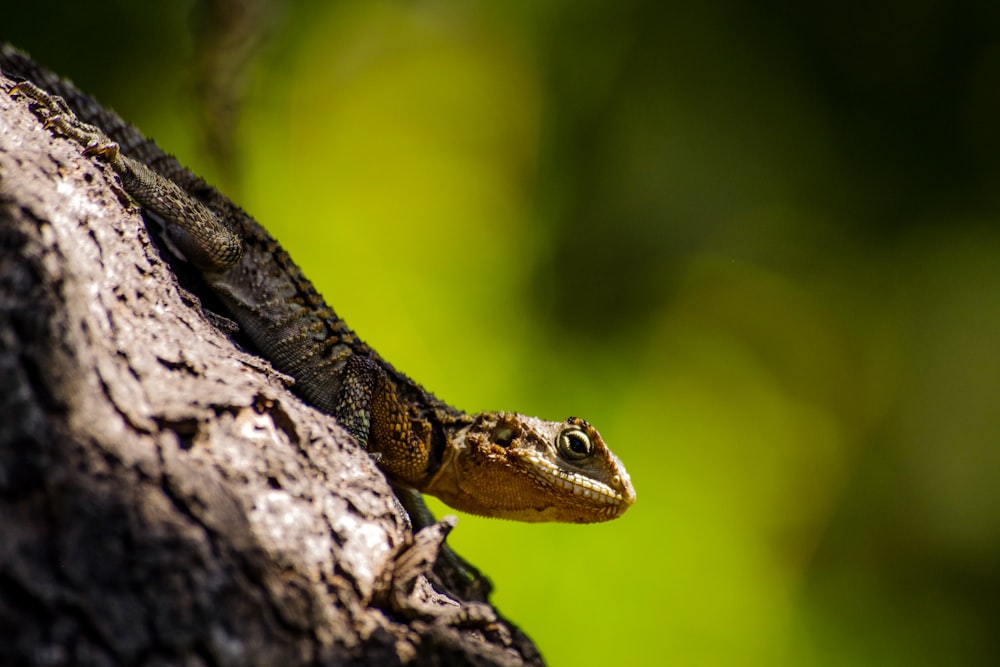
(164, 497)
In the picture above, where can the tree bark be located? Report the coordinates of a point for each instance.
(164, 497)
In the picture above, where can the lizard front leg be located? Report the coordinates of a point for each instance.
(370, 409)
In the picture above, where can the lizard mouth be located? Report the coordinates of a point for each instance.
(584, 487)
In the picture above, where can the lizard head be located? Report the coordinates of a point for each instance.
(510, 466)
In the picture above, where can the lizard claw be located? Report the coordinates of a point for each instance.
(102, 148)
(53, 121)
(18, 89)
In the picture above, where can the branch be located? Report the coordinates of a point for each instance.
(164, 497)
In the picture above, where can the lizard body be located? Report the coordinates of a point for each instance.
(497, 464)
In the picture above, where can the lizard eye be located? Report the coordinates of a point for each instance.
(574, 445)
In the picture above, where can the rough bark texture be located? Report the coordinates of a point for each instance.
(164, 498)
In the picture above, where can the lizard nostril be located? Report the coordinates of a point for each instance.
(503, 435)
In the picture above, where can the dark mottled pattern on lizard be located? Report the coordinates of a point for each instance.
(495, 464)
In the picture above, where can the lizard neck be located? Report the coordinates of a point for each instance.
(444, 426)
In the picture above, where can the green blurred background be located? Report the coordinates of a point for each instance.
(756, 244)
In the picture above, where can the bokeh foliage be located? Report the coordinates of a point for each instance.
(757, 244)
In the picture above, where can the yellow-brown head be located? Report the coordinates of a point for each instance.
(510, 466)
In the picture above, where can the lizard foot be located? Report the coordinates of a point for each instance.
(56, 115)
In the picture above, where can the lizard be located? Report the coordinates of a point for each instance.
(495, 464)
